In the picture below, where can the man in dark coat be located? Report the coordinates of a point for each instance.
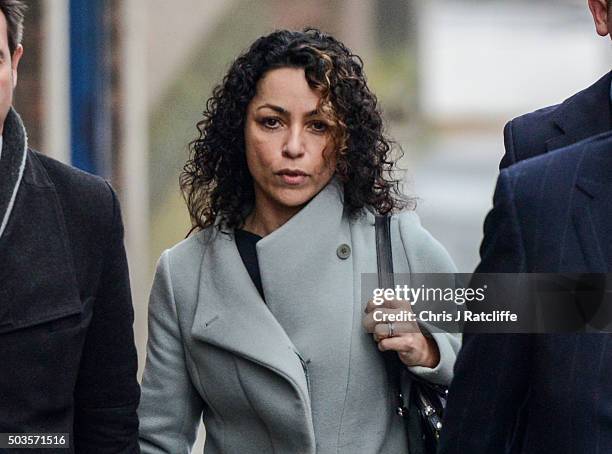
(67, 355)
(583, 115)
(533, 394)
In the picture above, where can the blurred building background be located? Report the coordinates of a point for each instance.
(116, 88)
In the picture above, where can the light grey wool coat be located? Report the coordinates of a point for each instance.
(296, 374)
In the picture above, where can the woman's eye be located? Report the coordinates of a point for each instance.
(271, 122)
(319, 126)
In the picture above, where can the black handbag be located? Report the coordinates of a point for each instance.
(422, 407)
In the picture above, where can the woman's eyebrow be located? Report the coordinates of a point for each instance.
(283, 111)
(275, 108)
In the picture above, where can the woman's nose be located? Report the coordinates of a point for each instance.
(294, 145)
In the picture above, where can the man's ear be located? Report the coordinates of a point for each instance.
(599, 10)
(16, 57)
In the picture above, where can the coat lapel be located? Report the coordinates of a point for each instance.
(584, 115)
(592, 208)
(37, 273)
(231, 315)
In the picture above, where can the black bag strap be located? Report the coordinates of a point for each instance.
(393, 365)
(384, 260)
(384, 254)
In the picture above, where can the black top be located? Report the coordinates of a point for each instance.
(246, 243)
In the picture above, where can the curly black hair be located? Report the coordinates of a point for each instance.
(216, 182)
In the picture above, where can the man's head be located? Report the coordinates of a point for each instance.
(11, 31)
(602, 15)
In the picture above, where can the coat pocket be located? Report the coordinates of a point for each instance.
(47, 315)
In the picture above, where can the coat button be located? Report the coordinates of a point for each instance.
(343, 251)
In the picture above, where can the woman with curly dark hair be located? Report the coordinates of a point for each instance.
(256, 321)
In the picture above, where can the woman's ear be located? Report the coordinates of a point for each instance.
(599, 10)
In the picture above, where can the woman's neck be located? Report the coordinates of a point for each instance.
(266, 218)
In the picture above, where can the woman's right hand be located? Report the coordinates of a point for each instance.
(403, 337)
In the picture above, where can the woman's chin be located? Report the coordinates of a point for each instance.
(293, 202)
(296, 197)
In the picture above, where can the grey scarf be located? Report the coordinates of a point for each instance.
(12, 165)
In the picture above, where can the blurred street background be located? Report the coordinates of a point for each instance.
(116, 87)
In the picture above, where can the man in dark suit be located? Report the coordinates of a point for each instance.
(534, 394)
(583, 115)
(67, 355)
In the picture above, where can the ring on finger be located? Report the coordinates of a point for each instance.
(391, 329)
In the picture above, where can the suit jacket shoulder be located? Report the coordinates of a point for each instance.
(542, 174)
(87, 195)
(530, 207)
(583, 115)
(526, 136)
(543, 185)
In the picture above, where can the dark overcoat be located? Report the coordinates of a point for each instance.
(540, 393)
(67, 355)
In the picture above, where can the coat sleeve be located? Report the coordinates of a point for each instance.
(426, 255)
(107, 392)
(170, 407)
(492, 371)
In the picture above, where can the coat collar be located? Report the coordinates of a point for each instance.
(585, 114)
(12, 165)
(313, 230)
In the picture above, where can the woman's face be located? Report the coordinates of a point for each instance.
(288, 142)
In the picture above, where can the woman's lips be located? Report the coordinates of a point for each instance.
(292, 177)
